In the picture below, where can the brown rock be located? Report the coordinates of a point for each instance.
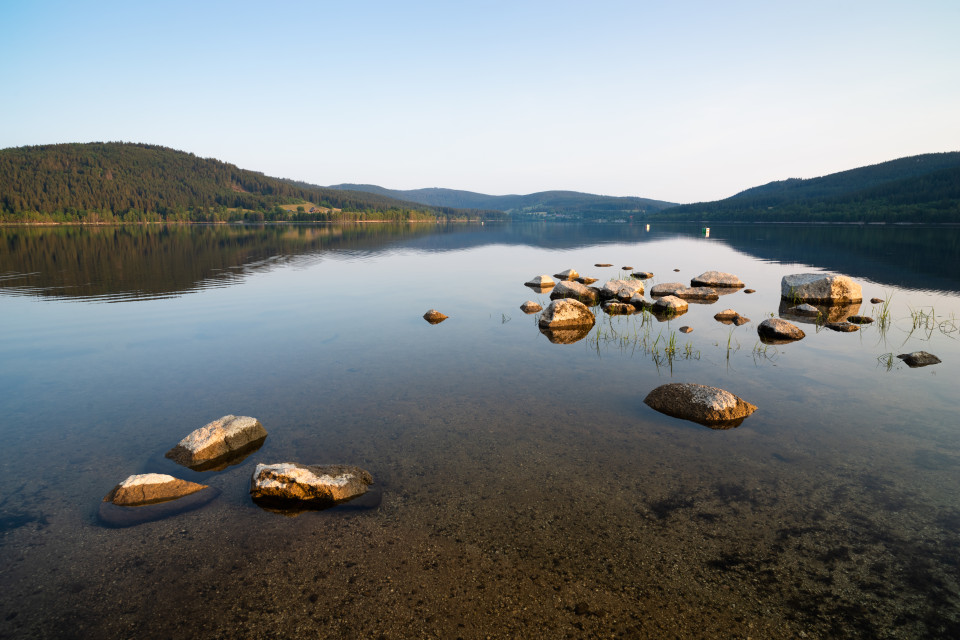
(225, 441)
(860, 319)
(318, 486)
(565, 313)
(670, 306)
(618, 308)
(749, 290)
(740, 320)
(577, 291)
(919, 359)
(569, 274)
(686, 329)
(666, 288)
(843, 327)
(726, 314)
(150, 488)
(603, 264)
(778, 331)
(877, 300)
(530, 307)
(642, 275)
(541, 282)
(434, 317)
(709, 406)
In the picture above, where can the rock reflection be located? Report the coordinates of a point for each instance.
(567, 335)
(114, 516)
(828, 313)
(293, 508)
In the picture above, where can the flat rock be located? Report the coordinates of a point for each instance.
(642, 275)
(626, 268)
(569, 274)
(566, 313)
(615, 308)
(670, 305)
(543, 281)
(709, 406)
(621, 289)
(860, 319)
(530, 307)
(817, 287)
(319, 486)
(117, 516)
(919, 359)
(586, 280)
(577, 291)
(716, 279)
(150, 488)
(434, 317)
(726, 314)
(843, 327)
(740, 320)
(697, 293)
(774, 330)
(603, 264)
(686, 329)
(224, 441)
(749, 290)
(666, 288)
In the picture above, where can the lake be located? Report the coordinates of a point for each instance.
(523, 488)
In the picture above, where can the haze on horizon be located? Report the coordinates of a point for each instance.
(687, 102)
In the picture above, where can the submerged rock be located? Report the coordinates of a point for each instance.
(716, 279)
(777, 331)
(919, 359)
(569, 274)
(860, 319)
(621, 289)
(566, 313)
(530, 307)
(117, 516)
(666, 288)
(626, 268)
(434, 317)
(603, 264)
(150, 488)
(316, 486)
(741, 320)
(577, 291)
(618, 308)
(709, 406)
(542, 282)
(749, 290)
(843, 327)
(220, 443)
(670, 306)
(817, 287)
(726, 314)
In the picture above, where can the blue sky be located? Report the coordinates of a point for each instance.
(679, 101)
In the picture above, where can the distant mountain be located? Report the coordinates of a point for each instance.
(118, 181)
(924, 188)
(555, 203)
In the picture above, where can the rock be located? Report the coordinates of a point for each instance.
(919, 359)
(569, 274)
(221, 442)
(567, 335)
(316, 486)
(843, 327)
(638, 302)
(686, 329)
(530, 307)
(642, 275)
(776, 330)
(434, 317)
(618, 308)
(586, 280)
(150, 488)
(577, 291)
(697, 293)
(709, 406)
(541, 281)
(877, 300)
(677, 270)
(670, 306)
(621, 289)
(740, 320)
(726, 314)
(603, 264)
(804, 310)
(749, 290)
(626, 268)
(716, 279)
(816, 287)
(666, 288)
(565, 313)
(112, 515)
(860, 319)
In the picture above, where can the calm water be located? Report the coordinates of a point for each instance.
(526, 489)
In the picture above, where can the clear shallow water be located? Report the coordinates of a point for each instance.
(527, 490)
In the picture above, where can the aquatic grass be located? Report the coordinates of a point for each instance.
(886, 361)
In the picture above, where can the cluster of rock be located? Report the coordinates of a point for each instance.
(215, 446)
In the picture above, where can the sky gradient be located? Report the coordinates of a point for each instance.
(679, 101)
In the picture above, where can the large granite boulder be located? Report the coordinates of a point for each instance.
(621, 289)
(434, 317)
(666, 289)
(541, 282)
(670, 306)
(566, 313)
(709, 406)
(919, 359)
(314, 486)
(150, 488)
(779, 331)
(577, 291)
(569, 274)
(219, 443)
(817, 287)
(716, 279)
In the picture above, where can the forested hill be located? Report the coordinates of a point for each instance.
(924, 188)
(123, 182)
(556, 203)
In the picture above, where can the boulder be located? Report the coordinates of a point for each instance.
(642, 275)
(776, 330)
(565, 313)
(817, 287)
(709, 406)
(150, 488)
(666, 288)
(586, 280)
(618, 308)
(860, 319)
(577, 291)
(543, 281)
(621, 289)
(919, 359)
(726, 314)
(434, 317)
(716, 279)
(670, 306)
(569, 274)
(639, 302)
(316, 486)
(530, 307)
(220, 443)
(697, 293)
(603, 264)
(843, 327)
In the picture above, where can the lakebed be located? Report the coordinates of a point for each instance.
(526, 490)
